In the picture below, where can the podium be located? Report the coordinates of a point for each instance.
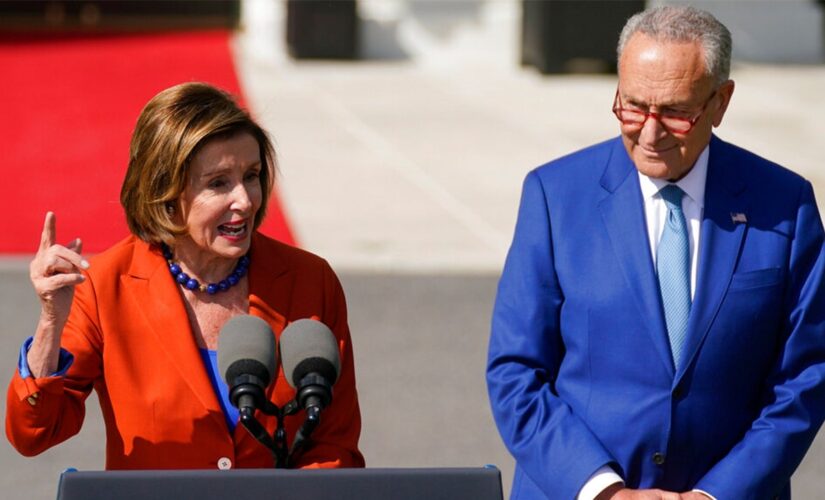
(279, 484)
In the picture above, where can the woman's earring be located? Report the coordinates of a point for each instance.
(170, 209)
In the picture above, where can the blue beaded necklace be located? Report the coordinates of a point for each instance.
(212, 288)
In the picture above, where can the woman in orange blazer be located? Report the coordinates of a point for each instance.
(139, 322)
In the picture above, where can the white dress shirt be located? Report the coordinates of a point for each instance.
(693, 206)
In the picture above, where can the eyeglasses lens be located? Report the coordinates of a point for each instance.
(636, 119)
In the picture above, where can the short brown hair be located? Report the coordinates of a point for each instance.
(170, 130)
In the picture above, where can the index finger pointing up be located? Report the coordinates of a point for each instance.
(47, 237)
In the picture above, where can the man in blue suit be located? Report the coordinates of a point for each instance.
(659, 328)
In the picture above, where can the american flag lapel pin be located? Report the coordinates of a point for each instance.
(738, 218)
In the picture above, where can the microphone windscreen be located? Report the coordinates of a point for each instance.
(246, 346)
(308, 346)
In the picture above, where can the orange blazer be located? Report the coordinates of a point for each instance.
(131, 340)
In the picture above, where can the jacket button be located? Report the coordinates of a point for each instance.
(224, 463)
(659, 458)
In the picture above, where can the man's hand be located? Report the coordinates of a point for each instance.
(694, 495)
(619, 492)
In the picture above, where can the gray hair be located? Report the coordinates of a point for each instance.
(672, 23)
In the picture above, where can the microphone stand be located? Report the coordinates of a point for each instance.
(315, 394)
(277, 442)
(303, 434)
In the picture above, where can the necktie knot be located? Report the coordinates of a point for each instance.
(672, 195)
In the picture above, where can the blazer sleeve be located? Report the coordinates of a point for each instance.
(769, 452)
(550, 443)
(59, 402)
(335, 441)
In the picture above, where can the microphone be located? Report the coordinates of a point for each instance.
(309, 353)
(248, 359)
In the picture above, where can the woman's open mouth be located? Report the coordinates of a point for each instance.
(233, 230)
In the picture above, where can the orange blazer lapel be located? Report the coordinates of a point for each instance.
(158, 300)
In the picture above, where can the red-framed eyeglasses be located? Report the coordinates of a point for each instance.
(675, 122)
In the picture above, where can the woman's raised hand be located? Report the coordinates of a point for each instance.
(54, 272)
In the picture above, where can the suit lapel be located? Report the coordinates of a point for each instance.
(720, 243)
(159, 301)
(623, 215)
(269, 288)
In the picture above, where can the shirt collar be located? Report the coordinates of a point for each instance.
(693, 184)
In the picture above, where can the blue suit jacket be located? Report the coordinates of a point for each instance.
(580, 373)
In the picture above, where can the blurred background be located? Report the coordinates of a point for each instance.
(403, 129)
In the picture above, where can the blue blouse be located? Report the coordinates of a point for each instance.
(230, 412)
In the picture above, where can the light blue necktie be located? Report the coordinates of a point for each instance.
(673, 269)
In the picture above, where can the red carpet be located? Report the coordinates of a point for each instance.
(69, 107)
